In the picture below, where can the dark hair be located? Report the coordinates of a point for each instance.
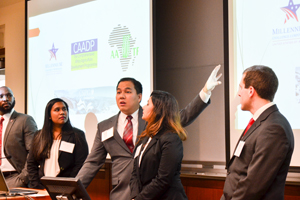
(137, 85)
(165, 115)
(263, 79)
(43, 139)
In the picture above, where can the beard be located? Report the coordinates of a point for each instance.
(7, 110)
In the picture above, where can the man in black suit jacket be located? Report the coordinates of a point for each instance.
(109, 140)
(261, 160)
(17, 133)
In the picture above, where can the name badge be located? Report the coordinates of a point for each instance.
(107, 134)
(137, 151)
(239, 148)
(66, 147)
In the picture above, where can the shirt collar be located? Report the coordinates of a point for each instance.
(134, 115)
(262, 109)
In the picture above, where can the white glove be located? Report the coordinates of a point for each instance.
(212, 81)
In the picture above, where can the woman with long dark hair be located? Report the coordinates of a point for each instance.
(157, 164)
(58, 149)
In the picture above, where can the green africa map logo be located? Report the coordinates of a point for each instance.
(125, 51)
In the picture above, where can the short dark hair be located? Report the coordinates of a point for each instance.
(137, 85)
(263, 79)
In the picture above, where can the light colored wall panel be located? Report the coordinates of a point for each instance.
(13, 16)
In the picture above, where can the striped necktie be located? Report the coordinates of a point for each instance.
(128, 133)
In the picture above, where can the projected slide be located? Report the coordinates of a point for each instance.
(79, 53)
(267, 33)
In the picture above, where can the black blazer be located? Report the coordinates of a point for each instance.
(69, 163)
(122, 158)
(158, 176)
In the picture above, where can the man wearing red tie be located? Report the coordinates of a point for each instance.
(16, 134)
(118, 134)
(261, 160)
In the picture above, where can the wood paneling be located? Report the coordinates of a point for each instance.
(206, 189)
(101, 185)
(196, 187)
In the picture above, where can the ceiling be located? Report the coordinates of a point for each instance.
(4, 3)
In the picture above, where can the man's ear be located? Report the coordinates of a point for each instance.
(140, 97)
(251, 91)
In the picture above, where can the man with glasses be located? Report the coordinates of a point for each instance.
(16, 134)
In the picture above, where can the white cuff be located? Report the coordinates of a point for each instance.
(204, 96)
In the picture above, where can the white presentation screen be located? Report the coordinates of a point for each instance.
(266, 33)
(78, 50)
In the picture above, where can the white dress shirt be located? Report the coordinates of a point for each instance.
(262, 109)
(5, 164)
(51, 167)
(122, 121)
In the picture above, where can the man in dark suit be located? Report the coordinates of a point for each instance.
(17, 132)
(261, 160)
(109, 137)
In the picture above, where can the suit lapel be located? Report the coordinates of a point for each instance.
(142, 123)
(142, 144)
(66, 138)
(153, 141)
(141, 126)
(260, 119)
(251, 129)
(117, 137)
(244, 137)
(9, 125)
(254, 126)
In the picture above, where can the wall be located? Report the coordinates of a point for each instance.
(13, 16)
(189, 44)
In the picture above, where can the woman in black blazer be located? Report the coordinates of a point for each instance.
(58, 149)
(157, 163)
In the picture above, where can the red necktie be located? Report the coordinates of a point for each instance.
(1, 127)
(249, 125)
(128, 132)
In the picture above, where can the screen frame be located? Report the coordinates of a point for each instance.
(78, 188)
(152, 55)
(152, 46)
(226, 79)
(228, 61)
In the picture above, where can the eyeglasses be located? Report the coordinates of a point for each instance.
(8, 96)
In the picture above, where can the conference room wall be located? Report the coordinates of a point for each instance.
(189, 44)
(13, 16)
